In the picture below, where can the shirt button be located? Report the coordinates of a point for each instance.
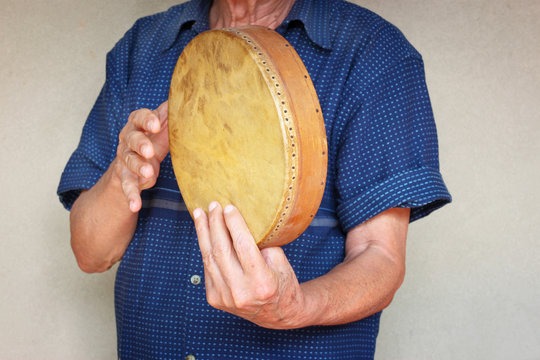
(190, 357)
(195, 280)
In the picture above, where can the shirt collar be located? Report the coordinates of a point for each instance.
(313, 14)
(194, 15)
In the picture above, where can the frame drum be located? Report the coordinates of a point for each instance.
(246, 128)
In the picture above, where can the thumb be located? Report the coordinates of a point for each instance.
(161, 138)
(162, 112)
(275, 258)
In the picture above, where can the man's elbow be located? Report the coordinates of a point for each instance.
(87, 267)
(397, 278)
(91, 264)
(400, 275)
(91, 267)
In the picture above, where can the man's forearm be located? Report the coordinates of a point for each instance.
(354, 289)
(368, 278)
(101, 224)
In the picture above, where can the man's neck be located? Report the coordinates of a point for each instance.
(234, 13)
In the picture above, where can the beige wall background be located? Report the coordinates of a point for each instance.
(472, 289)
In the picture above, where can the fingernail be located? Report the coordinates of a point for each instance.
(197, 213)
(212, 205)
(149, 125)
(146, 171)
(132, 205)
(228, 208)
(146, 150)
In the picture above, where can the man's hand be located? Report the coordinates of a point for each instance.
(144, 143)
(259, 286)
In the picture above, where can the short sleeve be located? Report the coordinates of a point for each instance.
(389, 153)
(99, 139)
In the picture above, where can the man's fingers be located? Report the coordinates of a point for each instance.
(138, 142)
(138, 157)
(136, 164)
(202, 226)
(130, 187)
(217, 292)
(203, 233)
(145, 120)
(222, 248)
(246, 249)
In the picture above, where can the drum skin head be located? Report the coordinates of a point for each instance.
(245, 128)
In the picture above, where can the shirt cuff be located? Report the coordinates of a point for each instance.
(423, 190)
(80, 174)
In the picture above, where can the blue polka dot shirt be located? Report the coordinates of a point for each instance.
(383, 153)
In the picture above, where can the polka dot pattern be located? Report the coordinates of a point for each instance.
(383, 153)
